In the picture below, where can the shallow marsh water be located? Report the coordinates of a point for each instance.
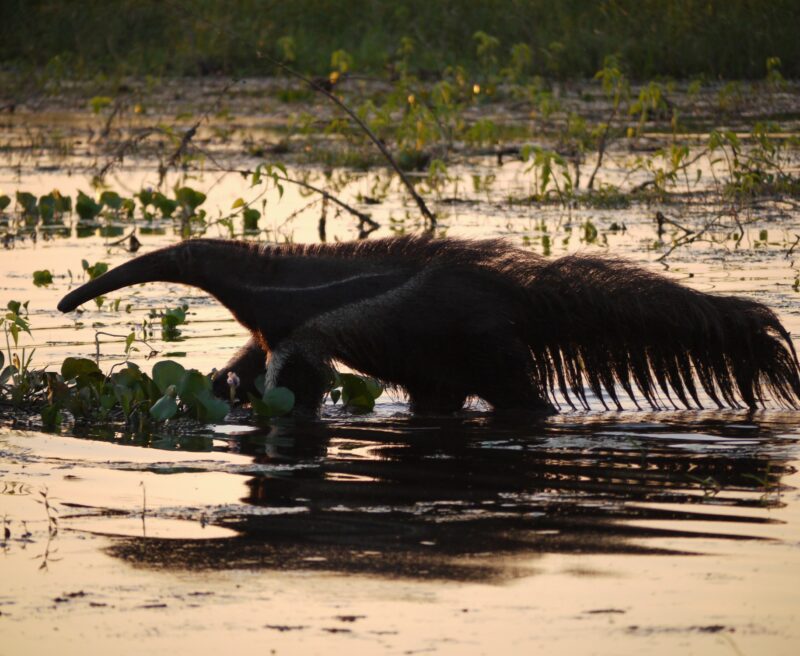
(598, 532)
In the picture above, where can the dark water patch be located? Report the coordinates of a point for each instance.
(477, 500)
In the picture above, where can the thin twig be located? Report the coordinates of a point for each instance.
(792, 247)
(107, 129)
(661, 220)
(190, 133)
(601, 151)
(123, 150)
(689, 238)
(362, 217)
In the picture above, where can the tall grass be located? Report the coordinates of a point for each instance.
(565, 38)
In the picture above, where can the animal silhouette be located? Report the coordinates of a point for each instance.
(449, 319)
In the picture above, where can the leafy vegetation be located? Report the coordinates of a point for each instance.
(80, 391)
(553, 38)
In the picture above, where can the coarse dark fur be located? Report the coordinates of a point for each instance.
(448, 319)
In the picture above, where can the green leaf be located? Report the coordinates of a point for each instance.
(163, 409)
(5, 201)
(166, 373)
(251, 218)
(124, 397)
(98, 103)
(15, 321)
(192, 385)
(2, 360)
(214, 409)
(165, 205)
(108, 401)
(74, 367)
(42, 278)
(275, 403)
(359, 393)
(145, 196)
(27, 202)
(63, 203)
(96, 270)
(51, 417)
(279, 400)
(47, 207)
(173, 317)
(130, 377)
(374, 388)
(6, 373)
(259, 384)
(190, 198)
(86, 207)
(111, 199)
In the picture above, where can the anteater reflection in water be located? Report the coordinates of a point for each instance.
(448, 319)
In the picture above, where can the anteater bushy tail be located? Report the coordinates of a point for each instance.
(610, 323)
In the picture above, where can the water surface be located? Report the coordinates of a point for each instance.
(595, 532)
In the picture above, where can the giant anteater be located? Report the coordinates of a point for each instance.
(448, 319)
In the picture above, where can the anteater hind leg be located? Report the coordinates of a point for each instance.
(248, 364)
(430, 399)
(504, 378)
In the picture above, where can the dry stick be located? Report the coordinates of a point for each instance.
(146, 132)
(361, 216)
(688, 238)
(387, 155)
(122, 239)
(123, 150)
(661, 219)
(602, 149)
(187, 137)
(321, 224)
(189, 134)
(107, 129)
(299, 211)
(791, 250)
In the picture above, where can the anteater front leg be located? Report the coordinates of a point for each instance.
(304, 370)
(248, 364)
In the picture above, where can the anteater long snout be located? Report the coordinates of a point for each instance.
(147, 268)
